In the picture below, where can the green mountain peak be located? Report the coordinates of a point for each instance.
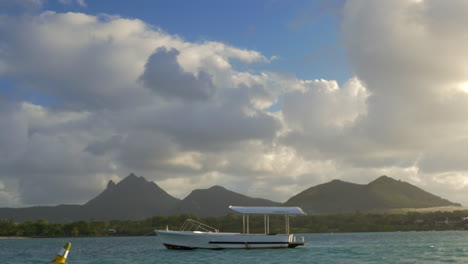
(379, 195)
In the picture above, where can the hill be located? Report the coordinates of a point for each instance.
(56, 214)
(215, 201)
(133, 198)
(382, 194)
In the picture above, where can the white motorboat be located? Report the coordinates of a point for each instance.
(193, 234)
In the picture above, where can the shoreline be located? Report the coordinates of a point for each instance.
(13, 237)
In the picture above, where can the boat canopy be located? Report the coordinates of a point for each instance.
(267, 210)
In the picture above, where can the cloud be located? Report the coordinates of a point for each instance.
(164, 76)
(63, 59)
(42, 149)
(412, 68)
(410, 57)
(324, 105)
(81, 3)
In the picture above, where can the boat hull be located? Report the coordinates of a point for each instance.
(212, 240)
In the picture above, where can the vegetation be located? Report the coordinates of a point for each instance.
(350, 222)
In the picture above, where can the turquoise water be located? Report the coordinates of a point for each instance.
(399, 247)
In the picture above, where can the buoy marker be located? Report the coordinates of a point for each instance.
(62, 255)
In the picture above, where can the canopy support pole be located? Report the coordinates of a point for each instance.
(243, 224)
(268, 224)
(266, 219)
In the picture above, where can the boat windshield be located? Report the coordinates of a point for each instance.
(192, 225)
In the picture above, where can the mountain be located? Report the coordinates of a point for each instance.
(398, 194)
(132, 198)
(379, 195)
(215, 201)
(56, 214)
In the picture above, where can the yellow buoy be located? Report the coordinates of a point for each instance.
(62, 255)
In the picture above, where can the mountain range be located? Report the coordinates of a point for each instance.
(135, 198)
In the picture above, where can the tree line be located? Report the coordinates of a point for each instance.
(346, 222)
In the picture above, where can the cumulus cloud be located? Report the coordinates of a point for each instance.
(410, 56)
(322, 104)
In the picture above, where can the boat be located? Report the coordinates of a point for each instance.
(196, 235)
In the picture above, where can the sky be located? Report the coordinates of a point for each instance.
(266, 98)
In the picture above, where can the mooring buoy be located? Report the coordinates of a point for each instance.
(62, 255)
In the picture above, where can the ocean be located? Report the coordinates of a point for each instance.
(395, 247)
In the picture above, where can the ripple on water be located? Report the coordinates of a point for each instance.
(400, 247)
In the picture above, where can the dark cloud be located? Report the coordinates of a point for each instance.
(105, 146)
(44, 162)
(73, 66)
(214, 128)
(164, 76)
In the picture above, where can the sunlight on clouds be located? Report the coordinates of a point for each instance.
(280, 184)
(410, 174)
(187, 159)
(176, 186)
(182, 186)
(244, 55)
(456, 180)
(40, 116)
(9, 196)
(321, 104)
(410, 55)
(282, 161)
(70, 18)
(463, 87)
(214, 58)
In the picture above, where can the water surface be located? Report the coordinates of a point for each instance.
(397, 247)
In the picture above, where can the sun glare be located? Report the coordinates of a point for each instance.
(463, 87)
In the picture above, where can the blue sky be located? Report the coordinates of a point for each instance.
(303, 34)
(265, 98)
